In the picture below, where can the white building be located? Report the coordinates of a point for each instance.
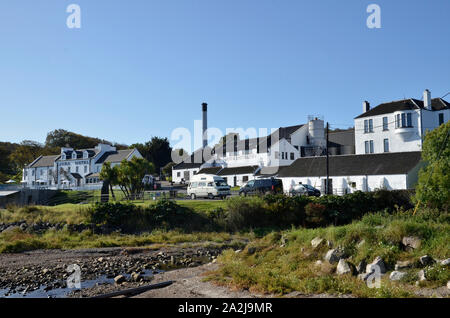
(350, 173)
(399, 125)
(74, 169)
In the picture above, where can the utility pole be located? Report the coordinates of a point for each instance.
(327, 185)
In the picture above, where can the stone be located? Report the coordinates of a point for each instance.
(251, 250)
(45, 271)
(378, 261)
(421, 275)
(237, 251)
(136, 277)
(343, 267)
(397, 275)
(364, 276)
(411, 242)
(361, 268)
(445, 262)
(23, 226)
(333, 256)
(319, 263)
(403, 265)
(101, 259)
(426, 260)
(119, 279)
(284, 239)
(448, 284)
(317, 242)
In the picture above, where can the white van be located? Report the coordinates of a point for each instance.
(207, 186)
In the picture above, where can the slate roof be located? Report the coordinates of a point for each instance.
(230, 171)
(114, 156)
(405, 104)
(354, 165)
(210, 170)
(43, 161)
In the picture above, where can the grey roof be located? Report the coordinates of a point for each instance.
(115, 156)
(354, 165)
(237, 170)
(210, 170)
(76, 175)
(43, 161)
(405, 104)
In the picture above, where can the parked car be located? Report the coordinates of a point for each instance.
(262, 186)
(207, 186)
(305, 189)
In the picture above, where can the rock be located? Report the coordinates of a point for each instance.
(445, 262)
(364, 276)
(378, 261)
(333, 256)
(411, 242)
(360, 244)
(101, 259)
(426, 260)
(403, 265)
(45, 271)
(284, 239)
(343, 267)
(319, 263)
(251, 250)
(448, 284)
(317, 242)
(11, 229)
(119, 279)
(329, 244)
(23, 226)
(237, 251)
(422, 276)
(136, 277)
(361, 268)
(396, 275)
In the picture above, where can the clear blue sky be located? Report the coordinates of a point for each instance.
(141, 68)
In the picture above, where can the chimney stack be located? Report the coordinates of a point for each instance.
(205, 124)
(427, 99)
(366, 106)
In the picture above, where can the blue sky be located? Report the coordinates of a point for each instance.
(141, 68)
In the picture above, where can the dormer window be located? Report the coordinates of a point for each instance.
(63, 157)
(74, 155)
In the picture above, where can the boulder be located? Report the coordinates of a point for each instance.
(136, 277)
(343, 267)
(317, 242)
(364, 276)
(378, 261)
(403, 265)
(329, 244)
(426, 260)
(396, 275)
(422, 276)
(333, 256)
(119, 279)
(251, 250)
(445, 262)
(361, 268)
(411, 242)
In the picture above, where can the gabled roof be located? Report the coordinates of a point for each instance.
(238, 170)
(210, 170)
(354, 165)
(115, 156)
(43, 161)
(405, 104)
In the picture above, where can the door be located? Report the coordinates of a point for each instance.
(234, 181)
(186, 176)
(330, 186)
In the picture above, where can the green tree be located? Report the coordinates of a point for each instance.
(109, 175)
(130, 175)
(26, 153)
(156, 151)
(433, 187)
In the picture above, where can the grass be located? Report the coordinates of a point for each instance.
(280, 270)
(17, 241)
(76, 213)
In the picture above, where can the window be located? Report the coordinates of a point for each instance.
(282, 155)
(292, 156)
(397, 121)
(76, 169)
(409, 120)
(368, 146)
(178, 174)
(85, 169)
(386, 145)
(244, 178)
(385, 123)
(202, 184)
(32, 173)
(68, 169)
(368, 125)
(441, 119)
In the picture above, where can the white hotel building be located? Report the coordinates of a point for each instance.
(74, 169)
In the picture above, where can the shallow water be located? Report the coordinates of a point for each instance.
(63, 292)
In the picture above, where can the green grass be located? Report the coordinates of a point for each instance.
(76, 213)
(280, 270)
(17, 241)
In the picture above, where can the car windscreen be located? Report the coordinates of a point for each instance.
(221, 184)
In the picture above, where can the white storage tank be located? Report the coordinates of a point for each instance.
(316, 132)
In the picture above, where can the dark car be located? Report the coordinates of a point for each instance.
(305, 189)
(262, 186)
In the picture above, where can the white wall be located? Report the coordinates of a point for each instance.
(177, 178)
(342, 185)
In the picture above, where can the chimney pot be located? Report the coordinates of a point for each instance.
(427, 99)
(366, 106)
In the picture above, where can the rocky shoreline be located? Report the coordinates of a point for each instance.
(114, 268)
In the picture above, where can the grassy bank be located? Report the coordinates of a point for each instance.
(283, 269)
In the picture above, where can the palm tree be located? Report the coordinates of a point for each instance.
(109, 176)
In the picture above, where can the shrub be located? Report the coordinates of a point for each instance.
(315, 214)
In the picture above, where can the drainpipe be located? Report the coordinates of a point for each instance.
(421, 130)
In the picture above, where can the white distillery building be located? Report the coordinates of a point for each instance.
(350, 173)
(239, 160)
(399, 125)
(74, 168)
